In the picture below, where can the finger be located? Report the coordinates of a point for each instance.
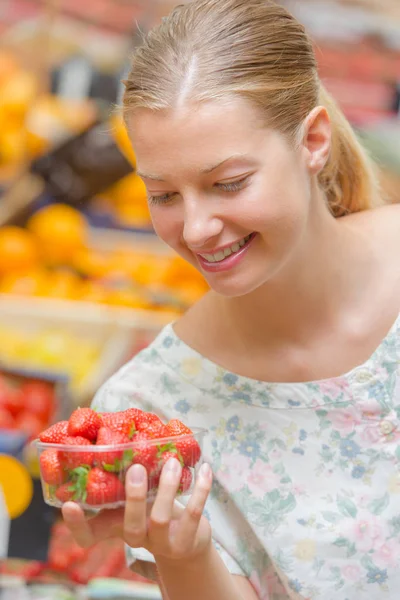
(135, 520)
(76, 522)
(188, 524)
(86, 532)
(163, 506)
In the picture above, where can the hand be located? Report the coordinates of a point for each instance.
(169, 531)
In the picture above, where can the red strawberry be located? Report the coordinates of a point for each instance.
(71, 459)
(187, 446)
(103, 488)
(113, 460)
(66, 492)
(142, 421)
(156, 430)
(6, 419)
(145, 452)
(55, 434)
(165, 456)
(75, 488)
(51, 468)
(186, 480)
(84, 422)
(122, 422)
(189, 449)
(176, 427)
(39, 398)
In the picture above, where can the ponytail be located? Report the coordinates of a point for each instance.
(350, 177)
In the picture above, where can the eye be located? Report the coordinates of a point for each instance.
(163, 199)
(232, 186)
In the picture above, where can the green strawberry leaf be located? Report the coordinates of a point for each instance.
(112, 468)
(132, 431)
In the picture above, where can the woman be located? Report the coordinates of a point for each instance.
(292, 359)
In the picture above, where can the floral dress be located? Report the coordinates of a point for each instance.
(306, 498)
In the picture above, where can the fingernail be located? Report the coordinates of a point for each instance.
(172, 466)
(205, 471)
(136, 475)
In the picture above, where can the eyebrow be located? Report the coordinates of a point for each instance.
(207, 170)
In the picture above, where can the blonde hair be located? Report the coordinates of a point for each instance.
(214, 49)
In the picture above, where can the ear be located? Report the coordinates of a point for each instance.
(317, 133)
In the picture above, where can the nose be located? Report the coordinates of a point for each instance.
(201, 224)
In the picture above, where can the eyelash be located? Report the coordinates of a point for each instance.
(231, 187)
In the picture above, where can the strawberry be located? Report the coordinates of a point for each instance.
(75, 488)
(189, 450)
(72, 459)
(103, 488)
(185, 444)
(113, 460)
(122, 422)
(66, 492)
(145, 452)
(142, 421)
(51, 467)
(84, 422)
(55, 434)
(186, 480)
(176, 427)
(167, 454)
(156, 430)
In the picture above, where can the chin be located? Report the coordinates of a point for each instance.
(235, 287)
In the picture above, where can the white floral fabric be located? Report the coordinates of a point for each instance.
(306, 499)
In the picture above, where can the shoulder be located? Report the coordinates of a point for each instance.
(381, 224)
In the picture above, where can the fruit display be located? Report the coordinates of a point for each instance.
(27, 405)
(32, 121)
(85, 459)
(51, 350)
(80, 565)
(56, 257)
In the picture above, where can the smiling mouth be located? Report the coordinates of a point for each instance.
(228, 251)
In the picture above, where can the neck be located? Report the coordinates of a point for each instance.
(330, 270)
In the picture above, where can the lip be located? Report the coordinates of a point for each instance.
(221, 248)
(229, 262)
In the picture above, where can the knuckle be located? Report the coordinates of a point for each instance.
(132, 533)
(159, 523)
(194, 511)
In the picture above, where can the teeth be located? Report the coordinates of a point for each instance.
(222, 254)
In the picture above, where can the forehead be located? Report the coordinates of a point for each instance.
(195, 135)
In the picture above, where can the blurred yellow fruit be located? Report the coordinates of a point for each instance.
(18, 92)
(122, 139)
(91, 263)
(91, 291)
(64, 284)
(133, 215)
(31, 283)
(128, 298)
(13, 146)
(18, 250)
(61, 230)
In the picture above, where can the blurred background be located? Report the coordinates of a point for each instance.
(84, 283)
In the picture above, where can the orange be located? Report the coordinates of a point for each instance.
(18, 250)
(122, 139)
(93, 291)
(61, 230)
(31, 283)
(64, 284)
(17, 485)
(91, 263)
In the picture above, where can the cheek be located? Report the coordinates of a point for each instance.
(167, 224)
